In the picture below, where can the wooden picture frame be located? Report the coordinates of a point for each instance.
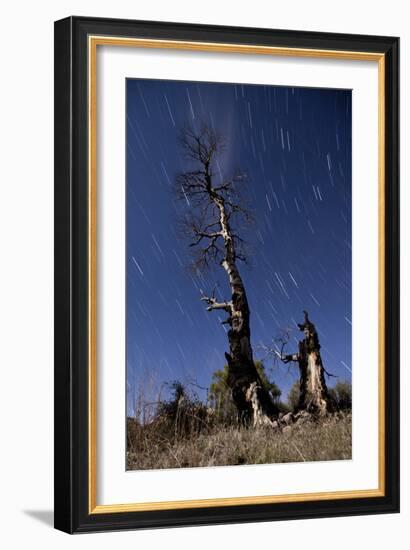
(77, 40)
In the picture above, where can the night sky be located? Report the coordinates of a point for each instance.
(294, 144)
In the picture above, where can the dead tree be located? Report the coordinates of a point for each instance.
(216, 210)
(313, 395)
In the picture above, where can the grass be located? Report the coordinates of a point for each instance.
(157, 446)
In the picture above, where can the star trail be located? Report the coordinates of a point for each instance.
(294, 144)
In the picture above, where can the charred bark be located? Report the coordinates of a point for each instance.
(313, 395)
(212, 228)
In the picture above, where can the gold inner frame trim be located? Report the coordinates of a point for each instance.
(93, 42)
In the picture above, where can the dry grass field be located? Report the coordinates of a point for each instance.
(209, 443)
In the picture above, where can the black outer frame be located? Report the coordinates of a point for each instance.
(71, 275)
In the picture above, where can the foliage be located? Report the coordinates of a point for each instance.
(219, 389)
(293, 396)
(183, 415)
(170, 407)
(283, 407)
(341, 393)
(219, 392)
(219, 396)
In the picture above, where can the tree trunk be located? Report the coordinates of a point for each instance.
(313, 396)
(250, 397)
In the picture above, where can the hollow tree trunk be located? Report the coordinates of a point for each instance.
(313, 394)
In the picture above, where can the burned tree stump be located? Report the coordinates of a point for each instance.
(313, 395)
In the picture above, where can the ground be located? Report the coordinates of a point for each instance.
(327, 439)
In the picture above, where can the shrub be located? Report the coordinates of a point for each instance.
(342, 395)
(293, 396)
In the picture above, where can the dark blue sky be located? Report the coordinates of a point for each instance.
(295, 146)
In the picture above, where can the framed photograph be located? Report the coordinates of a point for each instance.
(226, 274)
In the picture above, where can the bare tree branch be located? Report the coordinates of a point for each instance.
(213, 304)
(215, 206)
